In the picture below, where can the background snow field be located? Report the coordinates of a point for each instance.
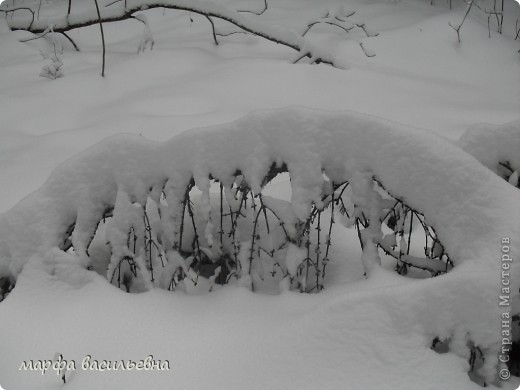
(429, 116)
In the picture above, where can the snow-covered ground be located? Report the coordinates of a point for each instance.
(357, 333)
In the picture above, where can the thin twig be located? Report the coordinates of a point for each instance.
(213, 29)
(36, 37)
(70, 40)
(12, 11)
(112, 3)
(256, 13)
(457, 29)
(102, 38)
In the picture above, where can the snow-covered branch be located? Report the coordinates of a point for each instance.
(119, 11)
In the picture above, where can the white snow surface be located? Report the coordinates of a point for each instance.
(357, 333)
(492, 145)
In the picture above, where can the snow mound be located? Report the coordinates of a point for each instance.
(471, 209)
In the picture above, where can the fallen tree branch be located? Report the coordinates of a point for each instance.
(90, 17)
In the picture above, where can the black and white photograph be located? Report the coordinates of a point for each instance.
(259, 194)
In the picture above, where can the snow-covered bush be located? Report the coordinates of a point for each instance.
(193, 213)
(171, 225)
(234, 234)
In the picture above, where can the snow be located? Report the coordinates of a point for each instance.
(493, 145)
(309, 142)
(294, 257)
(411, 164)
(357, 333)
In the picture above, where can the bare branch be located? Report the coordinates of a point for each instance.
(112, 3)
(457, 28)
(339, 19)
(344, 28)
(12, 11)
(102, 37)
(230, 33)
(256, 13)
(36, 36)
(76, 47)
(213, 30)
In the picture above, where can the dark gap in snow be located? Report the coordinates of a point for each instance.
(475, 361)
(6, 286)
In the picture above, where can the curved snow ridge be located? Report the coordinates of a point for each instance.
(492, 145)
(469, 206)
